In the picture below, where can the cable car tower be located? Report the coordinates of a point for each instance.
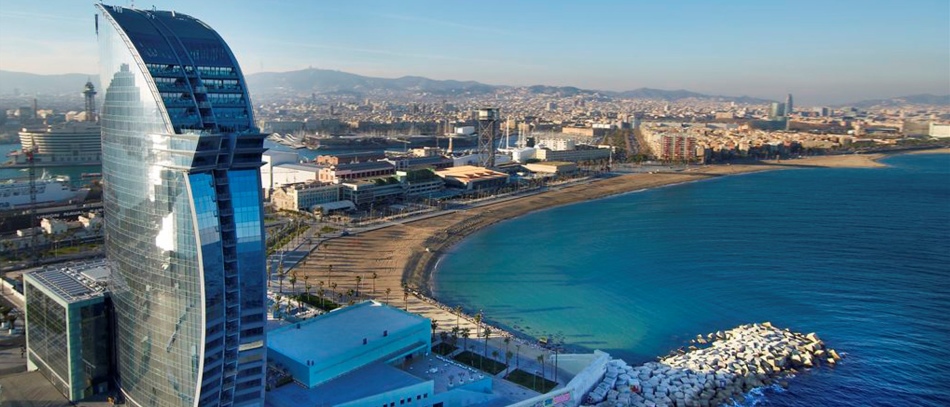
(487, 131)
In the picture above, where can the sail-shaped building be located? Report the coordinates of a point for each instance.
(183, 215)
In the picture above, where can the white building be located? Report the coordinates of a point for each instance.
(53, 226)
(939, 130)
(304, 196)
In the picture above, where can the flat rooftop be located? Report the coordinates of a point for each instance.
(340, 332)
(364, 382)
(75, 281)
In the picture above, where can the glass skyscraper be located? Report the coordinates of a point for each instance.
(183, 216)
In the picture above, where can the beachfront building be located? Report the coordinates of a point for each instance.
(368, 354)
(472, 178)
(422, 182)
(69, 328)
(304, 196)
(348, 158)
(580, 153)
(364, 193)
(552, 167)
(347, 172)
(184, 226)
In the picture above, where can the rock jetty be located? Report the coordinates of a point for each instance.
(733, 363)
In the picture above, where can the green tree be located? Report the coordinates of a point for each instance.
(487, 333)
(478, 323)
(374, 282)
(466, 332)
(541, 361)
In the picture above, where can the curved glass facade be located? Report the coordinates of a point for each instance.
(183, 216)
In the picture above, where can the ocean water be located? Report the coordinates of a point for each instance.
(860, 256)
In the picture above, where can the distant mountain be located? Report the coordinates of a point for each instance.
(922, 99)
(324, 81)
(28, 83)
(329, 81)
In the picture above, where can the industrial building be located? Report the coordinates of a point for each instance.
(69, 328)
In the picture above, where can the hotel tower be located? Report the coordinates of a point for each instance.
(183, 215)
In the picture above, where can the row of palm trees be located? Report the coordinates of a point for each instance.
(458, 331)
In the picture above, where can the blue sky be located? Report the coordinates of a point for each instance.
(821, 51)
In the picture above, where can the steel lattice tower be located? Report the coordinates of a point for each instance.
(487, 131)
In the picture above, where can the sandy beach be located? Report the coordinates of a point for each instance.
(401, 258)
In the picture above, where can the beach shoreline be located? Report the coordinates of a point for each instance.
(397, 264)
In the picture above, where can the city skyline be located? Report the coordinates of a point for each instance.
(822, 53)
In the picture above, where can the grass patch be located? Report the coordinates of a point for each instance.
(480, 362)
(444, 349)
(327, 229)
(316, 301)
(531, 381)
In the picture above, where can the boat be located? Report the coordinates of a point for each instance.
(74, 142)
(70, 143)
(15, 194)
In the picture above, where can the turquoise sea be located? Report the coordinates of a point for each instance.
(860, 256)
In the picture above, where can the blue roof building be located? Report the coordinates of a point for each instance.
(331, 345)
(183, 213)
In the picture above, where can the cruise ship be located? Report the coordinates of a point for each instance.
(69, 143)
(15, 194)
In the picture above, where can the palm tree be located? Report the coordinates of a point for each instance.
(280, 275)
(478, 322)
(541, 361)
(389, 290)
(293, 281)
(329, 270)
(508, 356)
(270, 273)
(435, 325)
(494, 354)
(517, 355)
(458, 314)
(455, 335)
(466, 332)
(487, 332)
(374, 282)
(309, 287)
(323, 303)
(358, 280)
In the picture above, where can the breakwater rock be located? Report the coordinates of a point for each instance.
(733, 363)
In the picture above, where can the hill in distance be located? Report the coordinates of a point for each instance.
(325, 81)
(921, 99)
(28, 83)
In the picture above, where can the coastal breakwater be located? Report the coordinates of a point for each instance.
(733, 363)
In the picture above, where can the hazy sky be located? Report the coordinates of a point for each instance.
(821, 51)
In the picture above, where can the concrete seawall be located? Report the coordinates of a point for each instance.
(735, 362)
